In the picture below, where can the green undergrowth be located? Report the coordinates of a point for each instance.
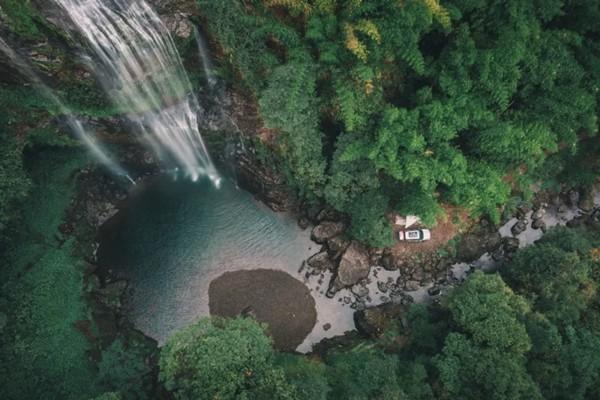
(20, 17)
(42, 354)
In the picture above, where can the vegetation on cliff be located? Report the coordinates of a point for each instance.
(417, 103)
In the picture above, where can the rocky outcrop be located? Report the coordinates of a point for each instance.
(473, 245)
(320, 262)
(326, 230)
(179, 24)
(354, 266)
(336, 246)
(374, 321)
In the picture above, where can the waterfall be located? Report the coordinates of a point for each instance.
(74, 124)
(138, 64)
(207, 64)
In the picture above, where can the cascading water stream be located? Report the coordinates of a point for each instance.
(95, 148)
(140, 69)
(207, 65)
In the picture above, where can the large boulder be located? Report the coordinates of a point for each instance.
(326, 230)
(354, 266)
(337, 245)
(320, 262)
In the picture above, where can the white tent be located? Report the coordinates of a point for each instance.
(407, 221)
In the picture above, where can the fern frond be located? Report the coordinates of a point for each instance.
(439, 12)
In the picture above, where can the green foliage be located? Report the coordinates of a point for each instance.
(20, 17)
(369, 223)
(42, 354)
(443, 99)
(309, 376)
(123, 367)
(468, 371)
(486, 360)
(486, 309)
(554, 276)
(364, 374)
(288, 104)
(225, 359)
(415, 201)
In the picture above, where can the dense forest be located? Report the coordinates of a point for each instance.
(371, 106)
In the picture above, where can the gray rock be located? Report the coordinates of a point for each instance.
(573, 197)
(360, 291)
(538, 214)
(411, 285)
(326, 230)
(303, 223)
(327, 327)
(510, 245)
(383, 287)
(320, 262)
(354, 266)
(388, 262)
(519, 227)
(434, 291)
(179, 24)
(337, 245)
(586, 203)
(538, 224)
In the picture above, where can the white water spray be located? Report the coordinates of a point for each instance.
(140, 69)
(95, 148)
(207, 64)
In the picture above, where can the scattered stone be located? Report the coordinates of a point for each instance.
(388, 262)
(434, 291)
(519, 227)
(302, 267)
(179, 24)
(523, 209)
(383, 287)
(327, 327)
(384, 299)
(360, 291)
(586, 203)
(411, 285)
(326, 230)
(510, 244)
(330, 294)
(303, 223)
(347, 300)
(573, 197)
(538, 214)
(538, 224)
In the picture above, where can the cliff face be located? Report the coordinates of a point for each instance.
(229, 119)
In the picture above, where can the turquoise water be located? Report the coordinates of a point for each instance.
(172, 238)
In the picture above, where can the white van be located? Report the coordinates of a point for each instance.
(417, 235)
